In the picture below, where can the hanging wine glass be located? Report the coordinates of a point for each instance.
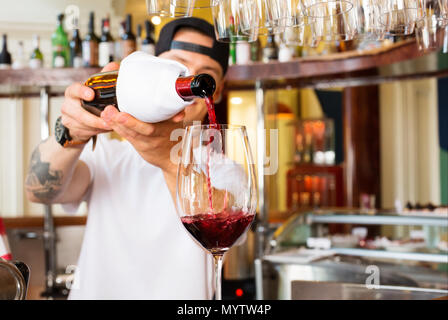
(270, 18)
(216, 188)
(400, 16)
(198, 4)
(165, 8)
(333, 20)
(369, 26)
(231, 17)
(430, 30)
(300, 35)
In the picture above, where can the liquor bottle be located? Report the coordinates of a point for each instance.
(243, 54)
(76, 48)
(118, 50)
(138, 42)
(285, 53)
(59, 42)
(148, 43)
(37, 58)
(5, 56)
(255, 50)
(128, 43)
(104, 84)
(20, 60)
(106, 46)
(232, 53)
(90, 45)
(270, 51)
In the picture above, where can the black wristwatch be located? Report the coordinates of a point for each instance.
(62, 135)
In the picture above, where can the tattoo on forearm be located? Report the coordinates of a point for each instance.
(43, 182)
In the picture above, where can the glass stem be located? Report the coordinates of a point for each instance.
(218, 270)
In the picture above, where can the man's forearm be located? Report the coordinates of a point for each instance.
(50, 170)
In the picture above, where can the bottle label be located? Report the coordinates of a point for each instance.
(35, 63)
(242, 53)
(128, 46)
(77, 62)
(149, 48)
(106, 53)
(90, 53)
(59, 62)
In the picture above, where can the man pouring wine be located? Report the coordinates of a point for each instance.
(134, 246)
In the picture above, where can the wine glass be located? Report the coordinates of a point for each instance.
(216, 188)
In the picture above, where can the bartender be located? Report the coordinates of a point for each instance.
(134, 245)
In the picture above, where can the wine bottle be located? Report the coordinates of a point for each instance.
(232, 53)
(242, 51)
(118, 51)
(106, 46)
(104, 85)
(255, 49)
(138, 42)
(270, 51)
(20, 60)
(148, 43)
(37, 58)
(59, 42)
(128, 43)
(5, 56)
(90, 45)
(76, 47)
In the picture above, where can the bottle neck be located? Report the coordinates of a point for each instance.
(76, 34)
(5, 44)
(91, 24)
(36, 43)
(201, 85)
(129, 24)
(149, 29)
(106, 27)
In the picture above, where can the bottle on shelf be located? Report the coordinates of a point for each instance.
(37, 58)
(270, 51)
(107, 45)
(285, 53)
(118, 51)
(5, 56)
(20, 60)
(76, 47)
(139, 38)
(232, 53)
(90, 45)
(59, 42)
(243, 54)
(104, 84)
(255, 50)
(128, 41)
(148, 43)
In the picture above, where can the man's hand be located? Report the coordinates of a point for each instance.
(82, 124)
(151, 140)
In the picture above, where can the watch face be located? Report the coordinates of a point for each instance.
(60, 132)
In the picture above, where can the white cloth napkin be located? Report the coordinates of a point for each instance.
(146, 87)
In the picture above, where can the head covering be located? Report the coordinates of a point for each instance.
(219, 52)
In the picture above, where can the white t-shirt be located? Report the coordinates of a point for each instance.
(135, 246)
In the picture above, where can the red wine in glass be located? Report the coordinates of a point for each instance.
(217, 232)
(216, 222)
